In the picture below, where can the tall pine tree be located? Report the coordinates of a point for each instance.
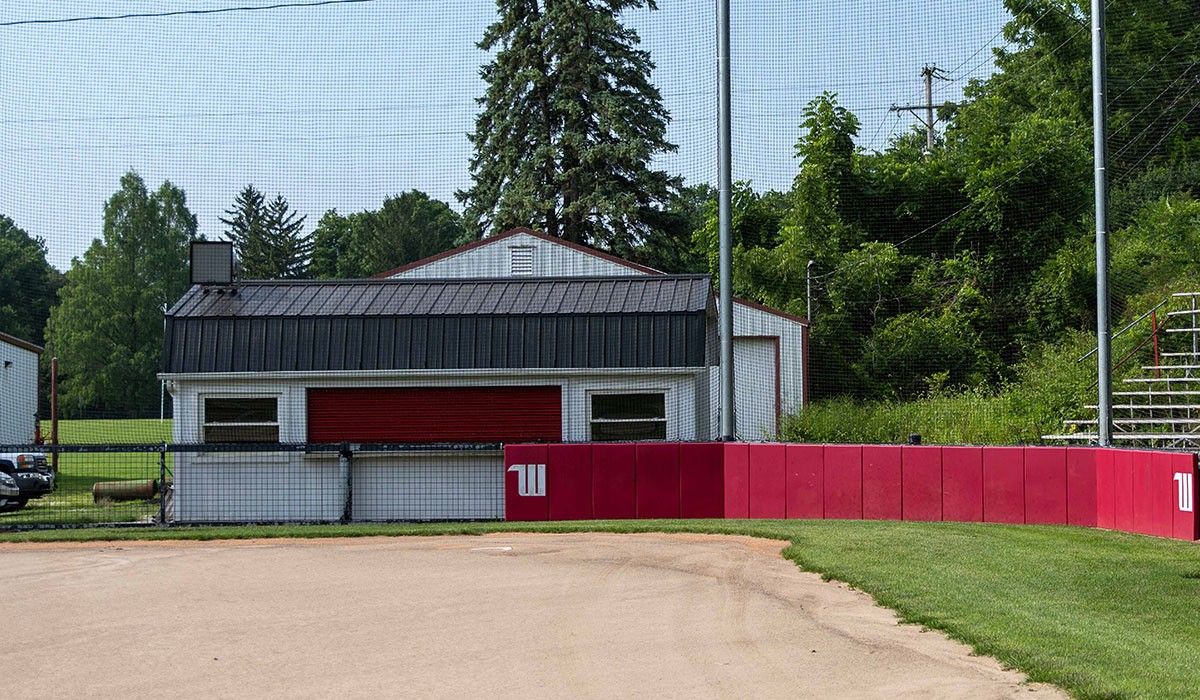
(569, 125)
(290, 248)
(268, 236)
(246, 228)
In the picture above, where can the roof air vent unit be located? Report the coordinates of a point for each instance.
(521, 261)
(212, 263)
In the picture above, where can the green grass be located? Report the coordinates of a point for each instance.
(1101, 614)
(71, 502)
(110, 431)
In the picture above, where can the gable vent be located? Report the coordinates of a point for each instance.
(521, 261)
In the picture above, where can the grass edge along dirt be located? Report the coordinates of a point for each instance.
(1100, 614)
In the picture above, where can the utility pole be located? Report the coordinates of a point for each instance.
(930, 120)
(1100, 146)
(725, 221)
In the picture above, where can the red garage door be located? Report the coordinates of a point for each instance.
(436, 414)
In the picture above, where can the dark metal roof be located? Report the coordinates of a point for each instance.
(362, 325)
(452, 297)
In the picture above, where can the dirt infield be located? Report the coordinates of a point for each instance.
(500, 616)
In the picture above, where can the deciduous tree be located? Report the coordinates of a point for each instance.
(107, 330)
(28, 284)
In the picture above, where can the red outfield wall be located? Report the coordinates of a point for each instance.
(1141, 491)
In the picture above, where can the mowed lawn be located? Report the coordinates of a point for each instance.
(1101, 614)
(72, 500)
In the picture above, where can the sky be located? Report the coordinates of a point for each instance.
(338, 107)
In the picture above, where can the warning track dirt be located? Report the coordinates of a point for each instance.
(584, 615)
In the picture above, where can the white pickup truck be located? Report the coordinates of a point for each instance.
(31, 475)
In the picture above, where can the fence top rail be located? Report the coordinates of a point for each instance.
(256, 447)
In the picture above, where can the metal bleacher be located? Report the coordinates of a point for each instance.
(1160, 405)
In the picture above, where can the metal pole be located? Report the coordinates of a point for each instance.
(346, 466)
(1154, 335)
(808, 290)
(928, 74)
(162, 385)
(725, 220)
(162, 486)
(54, 414)
(1100, 143)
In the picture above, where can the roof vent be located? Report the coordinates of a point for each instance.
(212, 263)
(521, 261)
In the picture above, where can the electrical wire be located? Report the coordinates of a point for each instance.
(178, 13)
(1165, 136)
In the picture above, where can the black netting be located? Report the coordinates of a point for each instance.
(912, 222)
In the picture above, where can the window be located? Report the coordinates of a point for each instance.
(629, 417)
(241, 419)
(521, 261)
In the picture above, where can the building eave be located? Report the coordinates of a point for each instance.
(23, 344)
(503, 372)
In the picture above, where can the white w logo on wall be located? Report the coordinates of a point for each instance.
(1185, 492)
(531, 479)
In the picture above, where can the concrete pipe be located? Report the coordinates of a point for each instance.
(140, 490)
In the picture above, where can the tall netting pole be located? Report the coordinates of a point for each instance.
(725, 219)
(1100, 136)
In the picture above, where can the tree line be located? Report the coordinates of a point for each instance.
(103, 318)
(934, 270)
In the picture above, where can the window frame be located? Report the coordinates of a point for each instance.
(202, 413)
(665, 420)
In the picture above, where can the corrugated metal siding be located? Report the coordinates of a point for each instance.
(440, 342)
(439, 414)
(621, 322)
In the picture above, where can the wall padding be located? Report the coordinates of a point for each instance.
(1142, 491)
(882, 495)
(962, 484)
(922, 483)
(806, 481)
(768, 481)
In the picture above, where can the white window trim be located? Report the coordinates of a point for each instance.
(260, 457)
(665, 420)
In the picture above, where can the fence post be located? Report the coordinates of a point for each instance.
(162, 485)
(345, 462)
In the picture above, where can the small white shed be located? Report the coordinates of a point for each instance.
(18, 390)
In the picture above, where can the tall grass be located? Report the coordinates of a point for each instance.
(1049, 387)
(964, 419)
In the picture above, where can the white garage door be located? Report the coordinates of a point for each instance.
(429, 486)
(756, 386)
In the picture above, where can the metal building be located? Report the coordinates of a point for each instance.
(770, 346)
(423, 361)
(18, 390)
(518, 337)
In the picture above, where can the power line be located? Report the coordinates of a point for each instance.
(177, 13)
(1138, 81)
(988, 43)
(1162, 112)
(300, 111)
(1165, 136)
(1038, 160)
(954, 71)
(871, 143)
